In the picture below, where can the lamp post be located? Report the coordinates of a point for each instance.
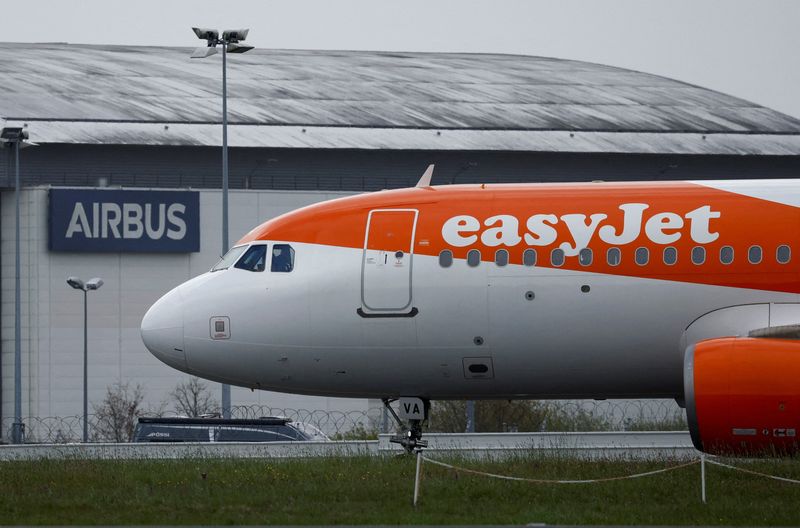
(92, 284)
(230, 44)
(16, 138)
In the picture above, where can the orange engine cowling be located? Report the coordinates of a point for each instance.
(743, 395)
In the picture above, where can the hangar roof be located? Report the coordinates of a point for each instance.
(357, 99)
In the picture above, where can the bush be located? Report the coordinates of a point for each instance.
(521, 415)
(193, 399)
(117, 416)
(359, 432)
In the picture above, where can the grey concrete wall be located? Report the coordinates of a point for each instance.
(52, 312)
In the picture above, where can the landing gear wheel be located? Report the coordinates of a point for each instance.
(416, 411)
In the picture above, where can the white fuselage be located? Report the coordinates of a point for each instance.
(300, 332)
(355, 318)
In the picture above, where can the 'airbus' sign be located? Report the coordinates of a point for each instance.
(124, 221)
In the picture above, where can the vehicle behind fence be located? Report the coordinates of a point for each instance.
(446, 417)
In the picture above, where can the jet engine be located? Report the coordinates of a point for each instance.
(743, 395)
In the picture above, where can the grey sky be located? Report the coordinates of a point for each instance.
(746, 48)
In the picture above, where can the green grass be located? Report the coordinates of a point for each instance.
(378, 490)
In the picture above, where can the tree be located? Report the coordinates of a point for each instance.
(117, 415)
(192, 398)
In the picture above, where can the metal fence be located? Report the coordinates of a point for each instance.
(447, 417)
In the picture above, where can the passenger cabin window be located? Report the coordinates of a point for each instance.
(254, 259)
(501, 257)
(585, 257)
(698, 255)
(282, 258)
(446, 258)
(754, 255)
(529, 257)
(557, 257)
(783, 254)
(670, 256)
(726, 254)
(642, 256)
(473, 258)
(613, 256)
(229, 258)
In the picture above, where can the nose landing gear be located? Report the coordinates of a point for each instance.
(415, 412)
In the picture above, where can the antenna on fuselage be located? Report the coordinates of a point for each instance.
(425, 181)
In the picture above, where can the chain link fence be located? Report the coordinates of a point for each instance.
(445, 416)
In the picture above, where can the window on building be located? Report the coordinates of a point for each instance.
(585, 257)
(726, 254)
(670, 256)
(229, 258)
(613, 256)
(501, 257)
(557, 257)
(642, 256)
(473, 258)
(254, 259)
(282, 258)
(446, 258)
(754, 255)
(783, 254)
(529, 257)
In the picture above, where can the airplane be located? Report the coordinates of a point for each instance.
(673, 289)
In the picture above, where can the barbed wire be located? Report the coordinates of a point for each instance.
(330, 422)
(530, 416)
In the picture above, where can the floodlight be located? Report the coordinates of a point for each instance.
(235, 48)
(76, 283)
(230, 44)
(12, 134)
(202, 53)
(206, 34)
(91, 284)
(234, 35)
(15, 138)
(94, 284)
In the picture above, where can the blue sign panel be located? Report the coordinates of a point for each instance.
(90, 220)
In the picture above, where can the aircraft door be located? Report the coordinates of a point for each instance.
(387, 261)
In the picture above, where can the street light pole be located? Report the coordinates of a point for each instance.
(17, 136)
(225, 399)
(18, 429)
(230, 43)
(225, 152)
(85, 366)
(92, 284)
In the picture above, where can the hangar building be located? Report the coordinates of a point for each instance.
(119, 122)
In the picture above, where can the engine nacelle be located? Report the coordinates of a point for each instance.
(743, 395)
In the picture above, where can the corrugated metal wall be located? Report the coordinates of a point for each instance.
(360, 170)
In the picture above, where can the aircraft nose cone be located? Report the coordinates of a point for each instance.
(162, 330)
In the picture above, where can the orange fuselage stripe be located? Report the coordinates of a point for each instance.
(545, 217)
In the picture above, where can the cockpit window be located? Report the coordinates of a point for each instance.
(254, 259)
(229, 258)
(282, 258)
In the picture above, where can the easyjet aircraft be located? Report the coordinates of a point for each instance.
(685, 290)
